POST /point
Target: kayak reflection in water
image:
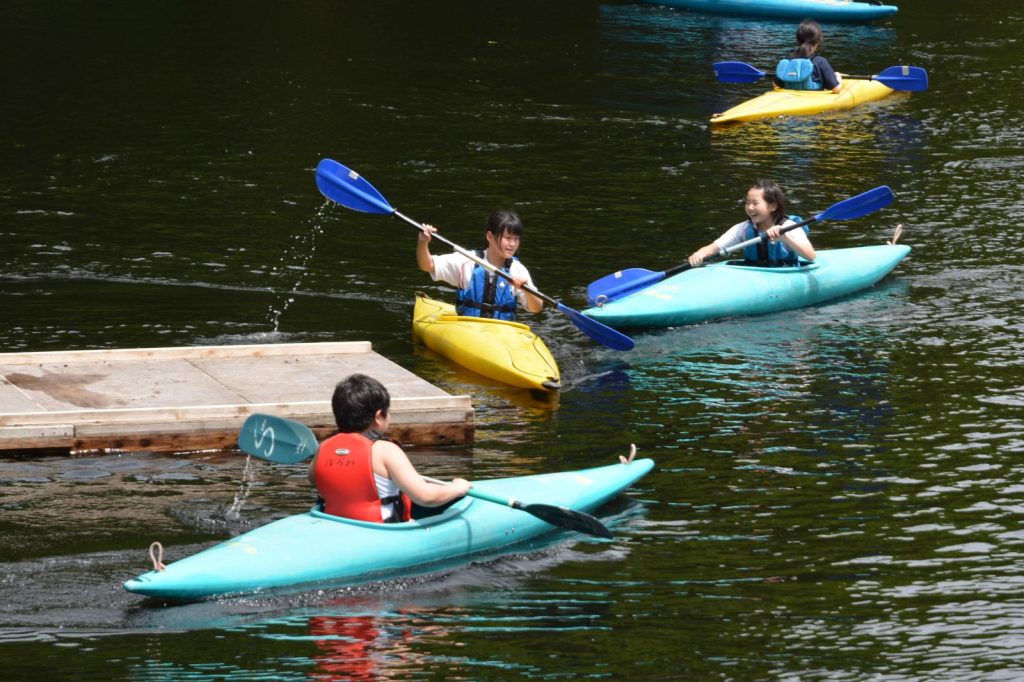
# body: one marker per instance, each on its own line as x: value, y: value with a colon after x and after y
x: 361, y: 474
x: 766, y: 212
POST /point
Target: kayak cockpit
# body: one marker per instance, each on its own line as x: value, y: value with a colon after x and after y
x: 802, y: 266
x: 448, y: 514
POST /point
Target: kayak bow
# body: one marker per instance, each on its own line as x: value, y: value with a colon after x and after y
x: 508, y: 352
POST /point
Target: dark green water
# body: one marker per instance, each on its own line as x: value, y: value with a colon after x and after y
x: 838, y: 492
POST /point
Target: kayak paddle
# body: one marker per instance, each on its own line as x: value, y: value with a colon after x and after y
x: 346, y: 187
x: 562, y: 517
x: 625, y: 282
x: 286, y: 441
x: 908, y: 78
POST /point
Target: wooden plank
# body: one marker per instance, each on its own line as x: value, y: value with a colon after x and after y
x: 104, y: 384
x: 47, y: 435
x: 286, y: 378
x: 159, y: 442
x: 423, y: 407
x: 12, y: 399
x: 185, y: 352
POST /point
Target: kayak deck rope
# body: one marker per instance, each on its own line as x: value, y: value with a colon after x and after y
x: 632, y: 454
x: 156, y: 555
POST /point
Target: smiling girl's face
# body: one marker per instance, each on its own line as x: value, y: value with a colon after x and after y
x: 758, y: 210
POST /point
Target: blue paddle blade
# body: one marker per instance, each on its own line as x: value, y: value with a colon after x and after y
x: 598, y: 331
x: 906, y: 78
x: 600, y: 287
x: 346, y: 187
x: 860, y: 205
x: 634, y: 281
x: 737, y: 72
x: 276, y: 439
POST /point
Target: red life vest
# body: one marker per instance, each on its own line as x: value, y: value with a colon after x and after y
x: 344, y: 477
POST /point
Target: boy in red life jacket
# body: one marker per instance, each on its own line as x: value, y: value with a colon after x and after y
x: 362, y: 475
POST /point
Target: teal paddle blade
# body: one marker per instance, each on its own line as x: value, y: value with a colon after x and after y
x: 276, y: 439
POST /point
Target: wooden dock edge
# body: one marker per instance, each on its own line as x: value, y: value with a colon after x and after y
x: 445, y: 420
x: 423, y: 416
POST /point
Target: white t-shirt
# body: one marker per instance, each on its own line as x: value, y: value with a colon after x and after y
x: 385, y: 488
x: 738, y: 233
x: 456, y: 270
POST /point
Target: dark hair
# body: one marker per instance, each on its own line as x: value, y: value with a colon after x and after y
x: 501, y: 222
x: 773, y: 194
x: 808, y: 38
x: 356, y: 400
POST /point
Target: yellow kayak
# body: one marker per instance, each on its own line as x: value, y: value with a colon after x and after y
x: 781, y: 102
x: 508, y: 352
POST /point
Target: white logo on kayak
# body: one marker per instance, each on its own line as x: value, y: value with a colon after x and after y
x: 341, y: 451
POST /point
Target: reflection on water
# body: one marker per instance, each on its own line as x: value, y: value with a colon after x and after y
x: 733, y: 385
x: 876, y: 130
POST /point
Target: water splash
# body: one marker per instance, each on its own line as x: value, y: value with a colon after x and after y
x: 248, y: 476
x: 296, y: 258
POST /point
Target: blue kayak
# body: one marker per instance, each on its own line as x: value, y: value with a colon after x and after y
x: 314, y: 548
x: 821, y: 10
x: 730, y: 288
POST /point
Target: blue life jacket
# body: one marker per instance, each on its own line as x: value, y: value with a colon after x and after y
x: 767, y: 252
x: 488, y: 295
x: 797, y: 74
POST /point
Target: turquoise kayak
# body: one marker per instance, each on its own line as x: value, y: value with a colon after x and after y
x: 821, y: 10
x: 730, y: 288
x: 305, y: 550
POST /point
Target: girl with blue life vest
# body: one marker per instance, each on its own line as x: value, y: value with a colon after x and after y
x: 482, y: 293
x: 765, y: 206
x: 360, y: 474
x: 806, y: 69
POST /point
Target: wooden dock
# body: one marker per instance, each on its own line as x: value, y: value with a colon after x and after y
x: 196, y: 398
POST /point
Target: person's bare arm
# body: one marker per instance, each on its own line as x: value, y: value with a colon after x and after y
x: 404, y: 474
